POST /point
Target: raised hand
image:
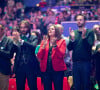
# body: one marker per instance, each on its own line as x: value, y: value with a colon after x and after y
x: 72, y: 34
x: 53, y: 41
x: 93, y: 48
x: 98, y: 50
x: 16, y: 36
x: 83, y: 33
x: 44, y: 41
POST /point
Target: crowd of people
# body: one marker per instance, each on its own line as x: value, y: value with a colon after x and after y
x: 32, y: 45
x: 13, y: 13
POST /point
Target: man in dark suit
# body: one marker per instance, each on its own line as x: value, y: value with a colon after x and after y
x: 6, y: 54
x: 26, y: 64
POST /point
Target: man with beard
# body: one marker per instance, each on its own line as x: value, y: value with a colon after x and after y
x: 26, y: 64
x: 80, y: 43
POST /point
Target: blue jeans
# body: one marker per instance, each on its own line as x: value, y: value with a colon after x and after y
x: 81, y: 75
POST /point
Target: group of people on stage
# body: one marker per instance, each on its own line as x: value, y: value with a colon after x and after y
x: 50, y: 55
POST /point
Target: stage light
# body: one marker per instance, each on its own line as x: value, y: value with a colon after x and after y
x: 37, y: 5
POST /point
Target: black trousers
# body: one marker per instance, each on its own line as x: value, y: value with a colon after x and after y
x: 55, y: 77
x: 81, y: 75
x: 22, y: 73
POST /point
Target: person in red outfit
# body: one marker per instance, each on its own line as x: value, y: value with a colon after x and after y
x: 51, y: 55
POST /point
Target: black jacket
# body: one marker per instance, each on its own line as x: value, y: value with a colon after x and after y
x: 25, y: 54
x: 6, y: 53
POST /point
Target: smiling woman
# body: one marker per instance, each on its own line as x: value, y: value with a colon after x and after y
x: 51, y: 55
x: 53, y: 32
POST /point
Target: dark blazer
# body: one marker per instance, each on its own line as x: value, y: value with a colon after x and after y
x: 57, y: 56
x: 25, y: 54
x: 6, y: 54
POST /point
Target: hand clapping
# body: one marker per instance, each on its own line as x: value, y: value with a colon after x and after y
x: 98, y: 50
x: 16, y: 36
x: 53, y: 41
x: 83, y: 33
x: 44, y: 41
x: 72, y: 34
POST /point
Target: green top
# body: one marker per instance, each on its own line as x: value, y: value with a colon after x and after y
x: 37, y: 49
x: 24, y: 38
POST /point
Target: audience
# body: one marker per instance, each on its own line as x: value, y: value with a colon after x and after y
x: 12, y: 12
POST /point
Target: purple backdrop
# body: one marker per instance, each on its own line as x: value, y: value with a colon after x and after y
x: 73, y: 25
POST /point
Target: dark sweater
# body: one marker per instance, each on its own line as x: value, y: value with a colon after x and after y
x: 81, y: 47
